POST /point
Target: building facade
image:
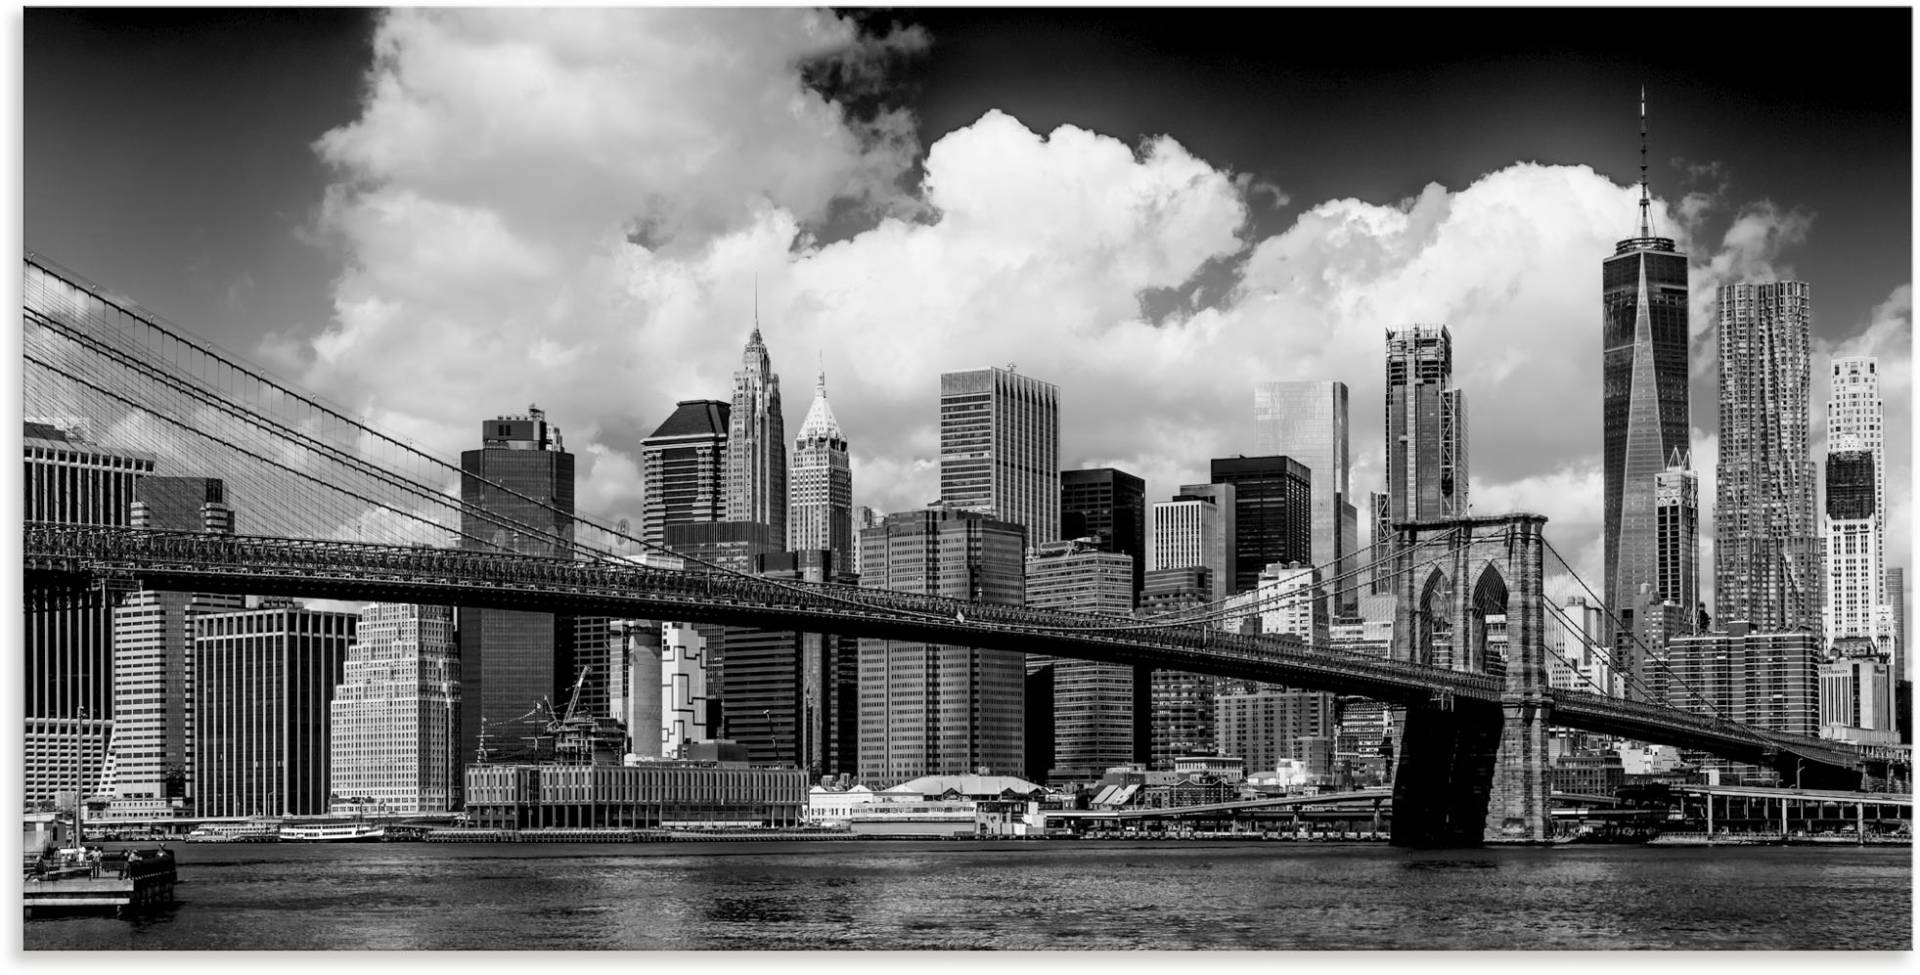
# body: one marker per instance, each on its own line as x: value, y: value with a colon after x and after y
x: 757, y: 442
x: 1195, y: 530
x: 1856, y: 701
x: 1000, y: 448
x: 1269, y: 725
x: 1110, y: 507
x: 1099, y: 709
x: 1426, y: 427
x: 1769, y: 681
x: 516, y: 494
x: 1272, y: 513
x: 1644, y: 405
x: 644, y: 796
x: 820, y: 505
x: 263, y: 684
x: 931, y: 709
x: 1896, y: 594
x: 395, y: 717
x: 1676, y: 506
x: 1181, y: 703
x: 1852, y: 562
x: 1307, y: 421
x: 1766, y: 552
x: 68, y: 636
x: 153, y: 657
x: 683, y: 468
x: 1854, y: 409
x: 683, y: 689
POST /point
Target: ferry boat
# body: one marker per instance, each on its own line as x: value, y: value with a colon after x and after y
x: 354, y: 832
x: 255, y: 831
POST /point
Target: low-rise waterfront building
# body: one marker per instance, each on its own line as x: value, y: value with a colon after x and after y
x: 637, y: 796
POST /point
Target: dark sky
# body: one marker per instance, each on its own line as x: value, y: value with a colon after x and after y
x: 168, y: 153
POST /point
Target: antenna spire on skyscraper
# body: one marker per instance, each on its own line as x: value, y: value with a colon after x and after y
x: 756, y: 299
x: 1646, y: 224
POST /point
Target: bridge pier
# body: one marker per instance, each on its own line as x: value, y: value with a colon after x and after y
x: 1444, y: 775
x: 1517, y: 804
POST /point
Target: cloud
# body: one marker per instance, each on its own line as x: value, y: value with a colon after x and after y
x: 574, y: 210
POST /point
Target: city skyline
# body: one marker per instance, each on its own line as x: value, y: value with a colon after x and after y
x: 1195, y: 312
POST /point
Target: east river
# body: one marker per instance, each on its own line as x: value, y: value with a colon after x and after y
x: 894, y: 895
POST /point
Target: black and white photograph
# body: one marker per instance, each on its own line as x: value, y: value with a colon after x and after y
x: 1384, y: 479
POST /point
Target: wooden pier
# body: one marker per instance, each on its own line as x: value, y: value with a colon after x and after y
x: 117, y: 882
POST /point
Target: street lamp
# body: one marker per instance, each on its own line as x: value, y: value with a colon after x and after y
x: 1799, y: 765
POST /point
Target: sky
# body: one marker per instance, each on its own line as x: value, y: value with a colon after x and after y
x: 434, y: 216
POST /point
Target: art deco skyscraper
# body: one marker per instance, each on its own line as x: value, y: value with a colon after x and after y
x: 1855, y: 419
x: 1852, y: 543
x: 757, y: 443
x: 1766, y: 560
x: 820, y: 505
x: 1307, y: 421
x: 395, y: 717
x: 1426, y: 427
x: 1643, y: 413
x: 1000, y: 448
x: 516, y: 494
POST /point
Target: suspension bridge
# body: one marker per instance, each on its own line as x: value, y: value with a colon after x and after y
x: 334, y: 508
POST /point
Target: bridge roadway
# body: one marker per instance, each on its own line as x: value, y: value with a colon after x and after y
x: 67, y: 556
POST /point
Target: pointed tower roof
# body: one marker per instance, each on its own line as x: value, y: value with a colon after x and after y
x: 820, y: 423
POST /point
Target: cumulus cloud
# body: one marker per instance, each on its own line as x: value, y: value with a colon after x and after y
x: 575, y: 211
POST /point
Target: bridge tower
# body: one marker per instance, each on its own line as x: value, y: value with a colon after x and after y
x: 1470, y: 594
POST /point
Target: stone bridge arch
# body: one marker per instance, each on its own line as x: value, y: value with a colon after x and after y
x: 1473, y: 771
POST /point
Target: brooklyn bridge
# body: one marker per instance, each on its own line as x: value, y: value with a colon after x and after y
x: 358, y: 514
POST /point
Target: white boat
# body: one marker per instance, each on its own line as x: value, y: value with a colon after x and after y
x: 355, y: 832
x: 256, y: 831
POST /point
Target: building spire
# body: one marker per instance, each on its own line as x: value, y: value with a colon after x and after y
x: 1646, y: 225
x: 756, y: 274
x: 820, y: 385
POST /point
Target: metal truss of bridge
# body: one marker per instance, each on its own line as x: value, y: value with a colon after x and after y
x: 358, y: 514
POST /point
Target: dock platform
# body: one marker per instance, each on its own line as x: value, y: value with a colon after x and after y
x: 116, y: 882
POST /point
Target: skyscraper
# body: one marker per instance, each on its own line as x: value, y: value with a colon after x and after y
x: 516, y: 494
x: 820, y: 506
x: 1272, y: 513
x: 683, y: 469
x: 69, y: 635
x: 930, y: 709
x: 1896, y: 590
x: 757, y: 442
x: 1854, y: 409
x: 1426, y: 427
x: 1307, y: 421
x: 153, y: 656
x: 1676, y: 506
x: 263, y: 680
x: 1109, y: 506
x: 1182, y: 716
x: 1644, y: 408
x: 1766, y: 557
x: 1095, y: 704
x: 1000, y: 448
x: 1196, y: 529
x: 1852, y: 544
x: 396, y: 714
